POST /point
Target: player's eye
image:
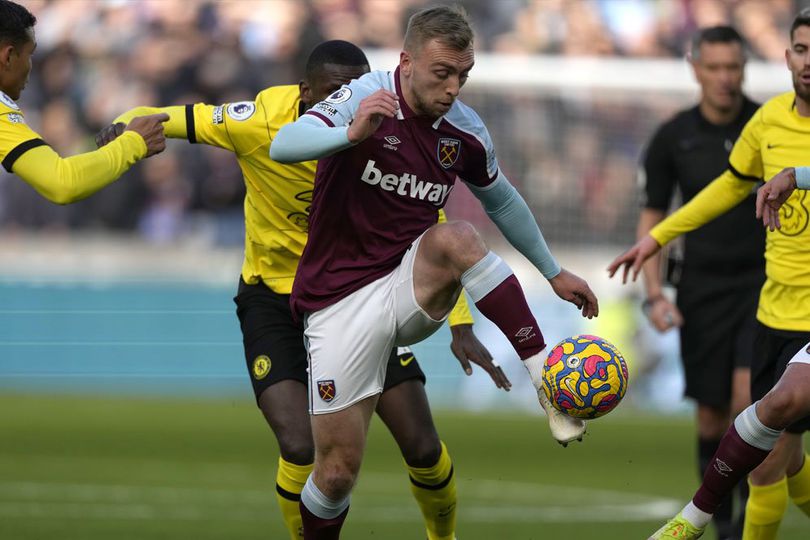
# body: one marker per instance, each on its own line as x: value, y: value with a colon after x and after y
x: 442, y: 73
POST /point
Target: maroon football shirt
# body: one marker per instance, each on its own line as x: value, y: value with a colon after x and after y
x: 372, y: 200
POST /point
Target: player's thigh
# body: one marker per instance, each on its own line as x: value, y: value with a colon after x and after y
x: 404, y: 408
x: 441, y: 255
x: 792, y: 380
x: 340, y: 440
x: 285, y: 408
x: 276, y: 362
x: 413, y: 321
x: 348, y: 344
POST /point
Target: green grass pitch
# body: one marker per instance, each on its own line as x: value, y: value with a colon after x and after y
x: 79, y: 468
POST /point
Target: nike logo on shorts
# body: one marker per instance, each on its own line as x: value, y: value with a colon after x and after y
x: 405, y: 361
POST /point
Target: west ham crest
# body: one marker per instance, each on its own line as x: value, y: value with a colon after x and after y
x: 448, y: 151
x: 326, y: 389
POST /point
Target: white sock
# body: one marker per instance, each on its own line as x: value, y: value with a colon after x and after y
x: 753, y: 431
x: 695, y: 515
x: 482, y: 277
x: 319, y: 504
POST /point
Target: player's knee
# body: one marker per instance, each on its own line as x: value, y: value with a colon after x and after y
x: 338, y: 477
x: 296, y: 449
x: 782, y: 406
x: 423, y: 453
x: 459, y: 238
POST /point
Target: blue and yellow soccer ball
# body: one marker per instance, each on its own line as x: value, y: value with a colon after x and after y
x: 585, y: 376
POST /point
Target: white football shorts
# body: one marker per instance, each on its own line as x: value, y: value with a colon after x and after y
x: 801, y: 357
x: 350, y: 341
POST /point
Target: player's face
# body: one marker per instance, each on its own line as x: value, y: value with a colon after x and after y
x: 433, y: 76
x: 17, y: 68
x: 719, y: 70
x: 327, y: 80
x: 798, y: 62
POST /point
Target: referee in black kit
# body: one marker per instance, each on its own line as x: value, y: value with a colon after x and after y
x: 720, y: 277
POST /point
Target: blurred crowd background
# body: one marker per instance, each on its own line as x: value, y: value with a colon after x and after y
x: 573, y: 158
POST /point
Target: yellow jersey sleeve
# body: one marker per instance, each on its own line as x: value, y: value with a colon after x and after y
x: 460, y: 313
x: 745, y: 161
x: 723, y: 194
x: 237, y: 127
x: 174, y: 127
x: 64, y: 180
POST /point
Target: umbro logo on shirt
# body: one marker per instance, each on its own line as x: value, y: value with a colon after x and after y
x: 391, y: 143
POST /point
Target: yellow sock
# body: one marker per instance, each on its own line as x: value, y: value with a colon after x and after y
x: 290, y: 480
x: 799, y: 486
x: 764, y: 511
x: 435, y: 491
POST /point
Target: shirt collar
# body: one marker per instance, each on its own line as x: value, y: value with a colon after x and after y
x: 404, y: 110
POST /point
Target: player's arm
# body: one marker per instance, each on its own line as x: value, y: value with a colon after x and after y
x: 344, y: 119
x: 720, y: 196
x: 66, y: 180
x: 510, y: 213
x: 307, y: 139
x: 777, y: 190
x: 199, y: 123
x: 657, y: 176
x: 723, y: 194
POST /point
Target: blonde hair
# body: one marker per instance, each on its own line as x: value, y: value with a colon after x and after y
x: 450, y: 25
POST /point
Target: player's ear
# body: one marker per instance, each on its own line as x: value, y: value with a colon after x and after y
x: 6, y: 50
x: 406, y: 63
x: 304, y: 92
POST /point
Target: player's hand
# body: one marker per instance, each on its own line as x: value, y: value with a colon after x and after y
x: 150, y: 127
x: 663, y: 314
x: 773, y: 195
x: 467, y: 348
x: 634, y: 257
x: 574, y: 289
x: 370, y: 114
x: 109, y: 134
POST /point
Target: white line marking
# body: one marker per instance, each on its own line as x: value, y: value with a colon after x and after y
x: 377, y: 500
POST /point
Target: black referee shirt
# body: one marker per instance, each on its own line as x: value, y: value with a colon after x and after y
x: 687, y: 153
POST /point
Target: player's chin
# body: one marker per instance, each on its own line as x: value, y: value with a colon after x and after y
x: 440, y: 109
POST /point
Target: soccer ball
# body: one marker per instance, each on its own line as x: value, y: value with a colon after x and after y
x: 585, y: 376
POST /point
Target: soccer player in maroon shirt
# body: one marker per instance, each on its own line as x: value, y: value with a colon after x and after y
x: 377, y: 271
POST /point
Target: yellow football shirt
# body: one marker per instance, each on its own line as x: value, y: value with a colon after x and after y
x: 61, y: 180
x: 278, y: 195
x: 776, y: 137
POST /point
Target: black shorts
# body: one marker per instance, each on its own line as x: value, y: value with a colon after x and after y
x: 274, y: 342
x: 774, y: 349
x: 717, y: 337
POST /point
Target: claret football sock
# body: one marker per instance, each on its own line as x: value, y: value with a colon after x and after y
x: 290, y: 480
x: 745, y: 445
x: 322, y: 517
x: 499, y: 297
x: 763, y: 513
x: 723, y: 517
x: 799, y: 486
x: 434, y: 489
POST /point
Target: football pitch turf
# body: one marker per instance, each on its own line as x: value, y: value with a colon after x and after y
x: 92, y: 468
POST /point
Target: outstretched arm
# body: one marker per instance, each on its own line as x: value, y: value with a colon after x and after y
x: 723, y: 194
x: 512, y: 215
x: 67, y: 180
